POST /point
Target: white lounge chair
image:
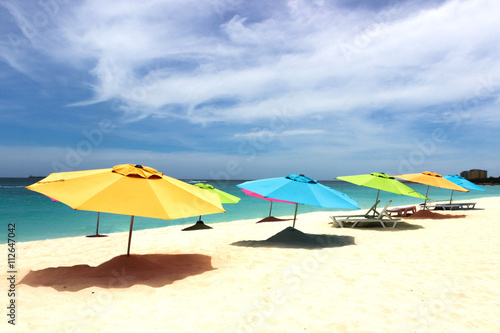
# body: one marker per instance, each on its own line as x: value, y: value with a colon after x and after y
x: 370, y: 213
x: 381, y: 218
x: 453, y: 206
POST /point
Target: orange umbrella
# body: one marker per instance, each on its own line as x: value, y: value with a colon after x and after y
x: 431, y: 179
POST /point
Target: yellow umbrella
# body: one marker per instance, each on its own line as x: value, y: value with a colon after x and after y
x: 129, y: 189
x: 431, y: 179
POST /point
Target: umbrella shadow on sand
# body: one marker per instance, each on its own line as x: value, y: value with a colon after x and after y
x: 293, y: 238
x: 154, y: 270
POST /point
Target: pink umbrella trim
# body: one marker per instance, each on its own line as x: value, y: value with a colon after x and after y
x: 54, y: 200
x: 253, y: 194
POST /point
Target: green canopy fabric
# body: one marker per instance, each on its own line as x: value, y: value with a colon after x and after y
x: 381, y: 181
x: 224, y: 196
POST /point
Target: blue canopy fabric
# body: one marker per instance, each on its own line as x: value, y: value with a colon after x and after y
x: 300, y: 189
x: 461, y: 181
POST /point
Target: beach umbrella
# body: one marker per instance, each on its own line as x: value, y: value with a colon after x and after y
x: 381, y: 181
x: 270, y: 218
x: 224, y: 198
x: 431, y: 179
x: 128, y: 189
x: 461, y: 181
x: 300, y: 189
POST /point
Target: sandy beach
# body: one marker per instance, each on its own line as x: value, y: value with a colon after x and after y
x: 424, y: 276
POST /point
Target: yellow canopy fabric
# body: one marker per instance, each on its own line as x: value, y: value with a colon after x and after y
x: 432, y: 179
x: 129, y: 190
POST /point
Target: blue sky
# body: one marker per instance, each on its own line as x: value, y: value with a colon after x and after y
x: 230, y: 89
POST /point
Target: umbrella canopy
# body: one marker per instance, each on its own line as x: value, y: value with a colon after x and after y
x: 381, y: 181
x: 270, y: 218
x: 129, y: 189
x: 431, y: 179
x: 461, y: 181
x: 300, y: 189
x: 224, y: 198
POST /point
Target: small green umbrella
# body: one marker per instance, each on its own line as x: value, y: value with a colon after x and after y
x: 381, y: 181
x: 224, y: 198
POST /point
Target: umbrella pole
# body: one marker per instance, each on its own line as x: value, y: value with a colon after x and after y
x: 451, y: 195
x: 130, y: 235
x: 376, y: 203
x: 97, y: 229
x: 295, y: 216
x: 271, y: 209
x: 426, y: 196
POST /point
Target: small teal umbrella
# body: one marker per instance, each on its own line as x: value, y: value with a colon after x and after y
x: 300, y: 189
x: 461, y: 181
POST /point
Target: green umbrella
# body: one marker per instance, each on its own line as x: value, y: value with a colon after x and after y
x: 381, y: 181
x: 224, y: 198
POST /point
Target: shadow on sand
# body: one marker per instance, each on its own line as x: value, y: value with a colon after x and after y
x: 154, y: 270
x: 272, y: 219
x: 427, y: 214
x: 293, y: 238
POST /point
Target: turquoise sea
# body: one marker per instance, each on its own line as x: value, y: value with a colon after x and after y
x: 37, y: 217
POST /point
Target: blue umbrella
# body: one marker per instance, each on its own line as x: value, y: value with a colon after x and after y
x: 461, y: 181
x: 300, y: 189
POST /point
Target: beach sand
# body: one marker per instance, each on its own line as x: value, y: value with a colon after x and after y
x: 424, y: 276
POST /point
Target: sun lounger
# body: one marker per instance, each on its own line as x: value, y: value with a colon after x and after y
x: 402, y: 211
x: 381, y: 218
x: 372, y: 212
x: 452, y: 206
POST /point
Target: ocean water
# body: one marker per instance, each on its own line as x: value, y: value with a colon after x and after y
x: 37, y: 217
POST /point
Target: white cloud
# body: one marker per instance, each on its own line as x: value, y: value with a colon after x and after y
x: 313, y: 56
x: 266, y: 132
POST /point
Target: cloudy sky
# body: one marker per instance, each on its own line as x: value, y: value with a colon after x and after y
x: 233, y: 89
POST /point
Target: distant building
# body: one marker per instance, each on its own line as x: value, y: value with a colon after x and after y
x: 474, y: 174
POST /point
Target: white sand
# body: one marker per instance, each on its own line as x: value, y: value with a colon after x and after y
x: 424, y: 276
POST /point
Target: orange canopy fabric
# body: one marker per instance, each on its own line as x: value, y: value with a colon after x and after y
x: 432, y: 179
